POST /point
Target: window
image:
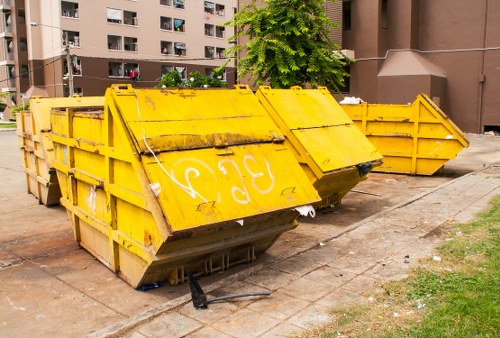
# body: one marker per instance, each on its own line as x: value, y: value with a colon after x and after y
x: 220, y: 31
x: 25, y: 72
x: 346, y: 15
x: 220, y: 52
x: 131, y: 71
x: 69, y: 9
x: 165, y: 23
x: 167, y: 47
x: 76, y: 66
x: 114, y: 15
x: 115, y: 69
x: 130, y: 18
x: 180, y: 48
x: 8, y: 22
x: 23, y: 44
x: 179, y: 25
x: 209, y: 30
x: 21, y: 16
x: 166, y: 69
x: 383, y: 15
x: 219, y: 10
x: 166, y: 2
x: 114, y: 42
x: 182, y: 71
x: 120, y: 69
x: 130, y: 44
x: 209, y: 52
x: 179, y: 4
x: 209, y: 7
x: 73, y: 38
x: 9, y: 48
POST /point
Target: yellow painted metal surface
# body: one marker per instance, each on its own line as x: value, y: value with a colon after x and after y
x: 165, y: 181
x: 330, y: 149
x: 33, y: 130
x: 414, y: 139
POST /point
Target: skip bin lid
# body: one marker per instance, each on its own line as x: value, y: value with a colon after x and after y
x: 318, y: 127
x: 217, y: 157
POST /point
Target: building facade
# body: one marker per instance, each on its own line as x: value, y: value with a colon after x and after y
x: 448, y: 49
x: 108, y: 42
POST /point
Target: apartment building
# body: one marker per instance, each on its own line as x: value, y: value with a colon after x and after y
x: 448, y: 49
x: 108, y: 42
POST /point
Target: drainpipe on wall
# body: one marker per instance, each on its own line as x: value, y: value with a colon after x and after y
x: 482, y: 77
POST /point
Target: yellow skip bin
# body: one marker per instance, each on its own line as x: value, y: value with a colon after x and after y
x: 414, y: 139
x: 33, y: 130
x: 165, y: 181
x: 334, y: 154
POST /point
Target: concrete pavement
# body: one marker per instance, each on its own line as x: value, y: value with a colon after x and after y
x: 51, y: 287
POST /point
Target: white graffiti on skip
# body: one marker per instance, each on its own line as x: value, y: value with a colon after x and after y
x: 191, y: 169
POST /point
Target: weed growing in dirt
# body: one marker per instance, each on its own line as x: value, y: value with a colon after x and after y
x: 457, y: 296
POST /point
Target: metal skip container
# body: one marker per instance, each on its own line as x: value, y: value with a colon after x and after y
x: 334, y: 154
x: 161, y: 182
x: 414, y: 139
x: 33, y: 131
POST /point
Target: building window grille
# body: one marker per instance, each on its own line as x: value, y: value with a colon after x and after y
x: 180, y: 48
x: 130, y: 18
x: 166, y: 69
x: 179, y: 25
x: 69, y: 9
x: 114, y: 15
x: 209, y: 52
x: 179, y: 4
x: 73, y: 38
x: 220, y: 53
x: 167, y: 47
x: 209, y: 7
x: 114, y: 42
x: 220, y: 31
x: 115, y: 69
x: 130, y: 44
x: 209, y: 30
x: 165, y: 23
x: 220, y: 10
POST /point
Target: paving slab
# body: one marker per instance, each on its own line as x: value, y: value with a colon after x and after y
x: 61, y: 290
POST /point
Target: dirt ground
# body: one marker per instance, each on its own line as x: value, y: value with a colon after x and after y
x: 50, y: 287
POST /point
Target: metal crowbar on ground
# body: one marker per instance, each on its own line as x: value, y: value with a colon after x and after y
x: 200, y: 300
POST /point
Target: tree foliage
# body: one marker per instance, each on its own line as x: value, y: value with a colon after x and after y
x: 196, y: 79
x: 289, y: 44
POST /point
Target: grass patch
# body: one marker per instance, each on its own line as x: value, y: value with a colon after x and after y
x: 458, y: 296
x: 8, y: 125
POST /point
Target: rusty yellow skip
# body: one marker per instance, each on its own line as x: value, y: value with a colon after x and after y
x: 33, y: 130
x: 334, y: 154
x: 414, y: 139
x: 163, y: 181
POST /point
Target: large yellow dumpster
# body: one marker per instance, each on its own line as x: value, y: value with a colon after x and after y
x: 165, y: 181
x: 334, y: 154
x: 414, y: 139
x: 33, y: 130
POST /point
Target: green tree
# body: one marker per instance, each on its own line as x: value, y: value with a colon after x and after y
x: 196, y: 80
x: 289, y: 44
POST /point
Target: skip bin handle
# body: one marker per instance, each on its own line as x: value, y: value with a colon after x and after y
x: 287, y: 191
x: 211, y: 203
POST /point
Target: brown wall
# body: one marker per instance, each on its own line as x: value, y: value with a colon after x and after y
x: 444, y: 32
